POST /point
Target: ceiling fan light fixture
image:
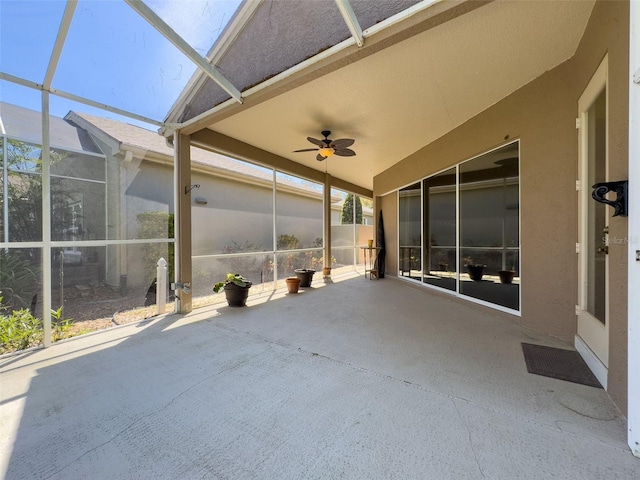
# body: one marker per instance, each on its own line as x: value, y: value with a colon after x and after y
x: 326, y: 151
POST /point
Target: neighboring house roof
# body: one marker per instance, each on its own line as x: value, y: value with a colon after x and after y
x: 130, y: 136
x: 76, y: 129
x: 26, y: 124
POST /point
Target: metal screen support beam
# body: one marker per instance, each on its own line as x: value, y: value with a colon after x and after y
x: 70, y: 96
x: 150, y: 16
x: 352, y: 22
x: 46, y: 221
x: 65, y: 23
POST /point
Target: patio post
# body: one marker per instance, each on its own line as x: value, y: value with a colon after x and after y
x: 326, y: 205
x: 182, y: 219
x: 633, y: 302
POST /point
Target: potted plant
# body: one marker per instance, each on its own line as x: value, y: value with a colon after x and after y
x: 236, y: 288
x: 293, y: 284
x: 506, y: 276
x: 305, y: 275
x: 475, y: 270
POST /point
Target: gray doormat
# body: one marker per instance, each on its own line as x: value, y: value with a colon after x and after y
x: 557, y: 363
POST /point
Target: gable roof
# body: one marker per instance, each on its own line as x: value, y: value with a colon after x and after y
x: 26, y: 124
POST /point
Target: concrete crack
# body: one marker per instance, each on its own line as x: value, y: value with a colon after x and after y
x: 555, y: 427
x: 475, y: 456
x: 155, y: 412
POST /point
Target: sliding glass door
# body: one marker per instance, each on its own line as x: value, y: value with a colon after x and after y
x: 489, y: 227
x: 410, y: 218
x: 460, y: 229
x: 440, y: 229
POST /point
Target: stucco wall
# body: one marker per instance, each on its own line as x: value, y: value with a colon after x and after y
x: 608, y: 34
x: 542, y: 116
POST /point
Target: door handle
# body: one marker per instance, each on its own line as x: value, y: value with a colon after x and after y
x: 604, y: 250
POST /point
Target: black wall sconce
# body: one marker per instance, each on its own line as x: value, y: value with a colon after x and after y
x: 620, y: 204
x: 188, y: 188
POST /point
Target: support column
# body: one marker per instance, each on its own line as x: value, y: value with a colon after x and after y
x: 633, y: 305
x: 182, y: 193
x: 327, y: 220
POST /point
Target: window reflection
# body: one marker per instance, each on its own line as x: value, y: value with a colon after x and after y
x: 440, y: 229
x: 489, y: 227
x: 410, y: 217
x: 469, y: 224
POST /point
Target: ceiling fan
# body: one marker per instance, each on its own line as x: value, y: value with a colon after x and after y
x: 328, y: 147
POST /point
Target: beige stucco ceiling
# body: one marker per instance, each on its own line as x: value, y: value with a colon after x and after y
x: 407, y: 95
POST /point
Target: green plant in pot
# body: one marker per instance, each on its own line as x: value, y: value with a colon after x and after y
x: 236, y: 288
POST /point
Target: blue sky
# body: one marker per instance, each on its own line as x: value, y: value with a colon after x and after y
x: 111, y: 55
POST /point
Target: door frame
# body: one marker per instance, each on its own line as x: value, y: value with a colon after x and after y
x: 633, y: 300
x: 592, y: 337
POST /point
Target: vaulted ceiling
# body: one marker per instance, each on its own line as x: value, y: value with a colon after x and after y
x: 408, y: 85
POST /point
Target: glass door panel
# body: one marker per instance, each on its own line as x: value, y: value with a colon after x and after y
x: 489, y: 227
x: 440, y: 229
x: 596, y: 212
x: 410, y: 217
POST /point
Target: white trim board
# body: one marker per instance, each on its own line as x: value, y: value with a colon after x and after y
x: 593, y: 362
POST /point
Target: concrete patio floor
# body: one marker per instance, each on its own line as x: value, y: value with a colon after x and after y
x: 357, y: 379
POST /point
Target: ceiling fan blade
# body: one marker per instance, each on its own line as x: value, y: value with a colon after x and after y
x: 345, y: 152
x: 306, y: 150
x: 320, y: 158
x: 343, y: 143
x: 315, y: 141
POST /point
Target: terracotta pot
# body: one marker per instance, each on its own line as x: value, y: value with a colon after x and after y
x: 305, y: 275
x: 236, y: 295
x: 293, y: 284
x: 326, y: 271
x: 506, y: 276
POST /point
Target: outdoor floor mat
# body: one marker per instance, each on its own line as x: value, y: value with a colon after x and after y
x: 557, y: 363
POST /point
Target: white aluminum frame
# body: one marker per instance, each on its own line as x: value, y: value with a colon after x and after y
x: 352, y: 22
x: 456, y: 293
x: 633, y: 299
x: 166, y: 31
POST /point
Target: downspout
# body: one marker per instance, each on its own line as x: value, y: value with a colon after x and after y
x: 633, y: 302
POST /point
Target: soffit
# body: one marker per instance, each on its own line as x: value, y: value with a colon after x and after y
x: 405, y: 96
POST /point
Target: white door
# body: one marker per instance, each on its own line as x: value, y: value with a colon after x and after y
x: 592, y: 340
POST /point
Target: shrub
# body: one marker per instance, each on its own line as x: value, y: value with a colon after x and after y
x: 244, y: 265
x: 157, y: 225
x: 18, y: 280
x: 20, y: 329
